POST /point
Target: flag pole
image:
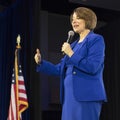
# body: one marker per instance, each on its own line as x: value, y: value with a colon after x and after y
x: 16, y: 69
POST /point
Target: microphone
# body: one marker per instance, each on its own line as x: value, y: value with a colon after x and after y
x: 70, y: 36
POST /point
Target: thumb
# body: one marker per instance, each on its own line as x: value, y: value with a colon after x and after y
x: 38, y: 51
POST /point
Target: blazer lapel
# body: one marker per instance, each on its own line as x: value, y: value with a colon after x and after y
x: 75, y: 42
x: 85, y: 40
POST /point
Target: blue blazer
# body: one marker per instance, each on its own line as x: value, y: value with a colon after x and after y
x: 87, y: 69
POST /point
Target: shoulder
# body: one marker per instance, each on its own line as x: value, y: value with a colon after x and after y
x: 93, y: 38
x: 93, y: 35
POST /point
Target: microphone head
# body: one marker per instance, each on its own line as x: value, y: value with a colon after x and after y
x: 70, y: 33
x: 70, y: 36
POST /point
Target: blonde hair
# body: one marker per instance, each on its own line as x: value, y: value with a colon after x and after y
x: 86, y: 14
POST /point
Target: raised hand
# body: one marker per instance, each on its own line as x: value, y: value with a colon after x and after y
x: 37, y: 56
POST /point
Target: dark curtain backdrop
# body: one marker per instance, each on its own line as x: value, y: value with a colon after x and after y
x: 19, y: 18
x: 111, y: 110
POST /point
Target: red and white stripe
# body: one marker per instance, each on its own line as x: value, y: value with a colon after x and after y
x: 18, y: 102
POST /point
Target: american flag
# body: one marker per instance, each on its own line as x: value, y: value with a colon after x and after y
x: 18, y: 101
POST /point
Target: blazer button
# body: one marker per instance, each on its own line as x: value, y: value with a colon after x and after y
x: 74, y: 72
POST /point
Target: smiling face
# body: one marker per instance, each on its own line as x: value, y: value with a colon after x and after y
x: 83, y: 18
x: 78, y: 24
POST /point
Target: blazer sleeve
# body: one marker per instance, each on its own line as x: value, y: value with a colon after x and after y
x: 48, y: 68
x: 94, y: 59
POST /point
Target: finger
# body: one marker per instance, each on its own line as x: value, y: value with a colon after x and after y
x: 35, y: 57
x: 38, y: 51
x: 62, y: 48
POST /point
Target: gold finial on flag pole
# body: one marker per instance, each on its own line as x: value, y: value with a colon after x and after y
x: 18, y: 41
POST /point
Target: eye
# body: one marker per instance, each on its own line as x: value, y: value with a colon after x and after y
x: 77, y: 18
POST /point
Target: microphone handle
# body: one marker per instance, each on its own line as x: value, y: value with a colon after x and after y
x: 68, y: 40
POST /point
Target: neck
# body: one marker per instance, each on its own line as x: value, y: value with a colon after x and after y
x: 83, y: 34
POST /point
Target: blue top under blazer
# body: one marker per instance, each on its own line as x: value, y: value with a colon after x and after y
x: 87, y: 69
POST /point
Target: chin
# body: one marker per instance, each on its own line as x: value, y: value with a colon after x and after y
x: 76, y: 31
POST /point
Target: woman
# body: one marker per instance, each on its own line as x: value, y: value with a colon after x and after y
x: 81, y: 69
